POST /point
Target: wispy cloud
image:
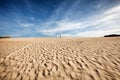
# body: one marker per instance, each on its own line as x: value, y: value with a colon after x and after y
x: 105, y: 22
x: 26, y: 24
x: 63, y: 26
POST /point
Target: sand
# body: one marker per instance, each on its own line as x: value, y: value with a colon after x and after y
x: 60, y: 59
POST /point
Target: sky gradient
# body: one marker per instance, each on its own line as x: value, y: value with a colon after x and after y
x: 50, y: 18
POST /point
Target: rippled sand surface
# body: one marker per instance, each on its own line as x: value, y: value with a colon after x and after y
x: 60, y: 59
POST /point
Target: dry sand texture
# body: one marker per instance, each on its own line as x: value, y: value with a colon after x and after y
x: 60, y: 59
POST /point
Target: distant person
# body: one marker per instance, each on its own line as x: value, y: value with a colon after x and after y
x: 60, y: 35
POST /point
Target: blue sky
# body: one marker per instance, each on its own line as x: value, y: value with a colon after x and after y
x: 71, y: 18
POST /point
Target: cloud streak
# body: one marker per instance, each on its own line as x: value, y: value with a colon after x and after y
x: 106, y: 22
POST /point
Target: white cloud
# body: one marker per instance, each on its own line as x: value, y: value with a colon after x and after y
x: 26, y: 24
x: 111, y: 14
x: 63, y: 26
x: 97, y: 33
x: 107, y: 22
x: 113, y: 10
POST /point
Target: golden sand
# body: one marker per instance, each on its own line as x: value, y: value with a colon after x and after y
x: 60, y: 59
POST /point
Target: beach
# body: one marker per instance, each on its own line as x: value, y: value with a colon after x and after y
x: 60, y: 58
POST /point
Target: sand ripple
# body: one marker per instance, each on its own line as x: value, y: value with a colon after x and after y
x: 60, y: 59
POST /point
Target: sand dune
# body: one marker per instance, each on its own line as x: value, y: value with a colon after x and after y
x: 60, y: 59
